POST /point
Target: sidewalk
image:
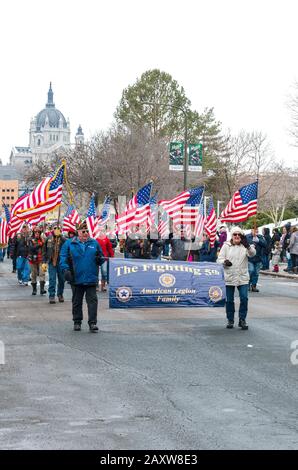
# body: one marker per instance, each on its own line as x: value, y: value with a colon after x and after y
x: 281, y: 273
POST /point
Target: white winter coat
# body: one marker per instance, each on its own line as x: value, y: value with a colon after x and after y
x: 237, y: 274
x: 276, y: 256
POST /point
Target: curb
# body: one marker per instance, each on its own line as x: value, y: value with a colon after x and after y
x: 294, y: 277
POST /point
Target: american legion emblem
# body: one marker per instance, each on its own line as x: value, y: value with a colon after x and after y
x: 123, y: 294
x: 215, y: 293
x: 167, y: 280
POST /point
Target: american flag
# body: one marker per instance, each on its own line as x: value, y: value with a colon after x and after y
x: 19, y: 202
x: 242, y: 205
x: 211, y: 223
x: 71, y: 218
x: 174, y: 205
x: 105, y: 213
x: 199, y: 223
x: 36, y: 220
x: 91, y: 219
x: 38, y: 196
x: 3, y: 232
x: 7, y: 213
x: 189, y: 212
x: 164, y: 225
x: 153, y: 214
x: 15, y: 224
x: 137, y: 210
x: 53, y: 197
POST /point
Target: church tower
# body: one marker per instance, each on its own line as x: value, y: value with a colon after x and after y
x: 79, y: 138
x: 49, y: 130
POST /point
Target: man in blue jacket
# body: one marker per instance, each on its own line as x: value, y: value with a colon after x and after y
x: 80, y: 259
x: 255, y: 262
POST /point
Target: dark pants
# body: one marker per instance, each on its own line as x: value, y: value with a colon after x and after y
x: 294, y: 259
x: 77, y: 303
x: 230, y: 304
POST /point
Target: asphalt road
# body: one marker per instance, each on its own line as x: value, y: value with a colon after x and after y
x: 159, y: 379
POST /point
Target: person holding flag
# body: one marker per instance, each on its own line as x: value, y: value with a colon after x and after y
x: 234, y: 256
x: 51, y: 256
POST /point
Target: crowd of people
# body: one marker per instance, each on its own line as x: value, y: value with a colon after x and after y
x: 76, y: 259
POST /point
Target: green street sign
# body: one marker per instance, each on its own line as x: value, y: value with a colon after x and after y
x: 195, y: 157
x: 176, y: 152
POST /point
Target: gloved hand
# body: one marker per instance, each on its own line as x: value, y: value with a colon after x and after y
x: 227, y: 263
x: 244, y: 241
x: 68, y: 276
x: 99, y: 260
x: 44, y: 267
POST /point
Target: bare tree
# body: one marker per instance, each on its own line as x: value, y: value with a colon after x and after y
x: 278, y: 188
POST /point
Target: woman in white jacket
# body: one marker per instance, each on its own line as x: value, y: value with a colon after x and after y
x: 234, y: 257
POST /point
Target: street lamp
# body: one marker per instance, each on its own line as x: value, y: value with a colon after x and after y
x: 184, y: 111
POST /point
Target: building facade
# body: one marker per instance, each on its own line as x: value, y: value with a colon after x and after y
x: 49, y: 133
x: 9, y: 192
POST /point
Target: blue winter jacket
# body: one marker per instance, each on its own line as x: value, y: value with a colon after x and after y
x: 260, y: 247
x: 82, y: 259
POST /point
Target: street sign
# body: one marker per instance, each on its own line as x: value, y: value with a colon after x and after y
x: 176, y: 156
x: 195, y: 157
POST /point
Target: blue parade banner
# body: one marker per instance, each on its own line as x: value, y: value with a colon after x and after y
x: 147, y: 283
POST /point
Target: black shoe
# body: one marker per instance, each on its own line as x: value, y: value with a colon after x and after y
x: 230, y: 324
x: 52, y: 300
x: 60, y: 298
x: 14, y: 271
x: 243, y: 325
x: 77, y: 327
x: 254, y: 289
x: 42, y: 289
x: 93, y: 328
x: 34, y: 290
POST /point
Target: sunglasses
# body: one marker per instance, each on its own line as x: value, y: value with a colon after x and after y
x: 84, y: 231
x: 237, y: 235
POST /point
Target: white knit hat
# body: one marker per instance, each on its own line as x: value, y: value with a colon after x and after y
x: 237, y: 230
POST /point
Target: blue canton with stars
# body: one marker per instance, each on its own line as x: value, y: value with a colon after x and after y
x: 69, y: 210
x: 106, y: 208
x: 249, y: 193
x: 195, y: 197
x: 211, y: 206
x: 143, y: 195
x: 58, y: 179
x: 92, y: 209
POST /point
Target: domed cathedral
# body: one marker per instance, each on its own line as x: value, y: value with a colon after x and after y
x: 49, y: 130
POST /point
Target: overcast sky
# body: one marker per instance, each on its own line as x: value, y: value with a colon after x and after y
x: 239, y: 57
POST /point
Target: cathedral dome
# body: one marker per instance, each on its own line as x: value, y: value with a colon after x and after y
x: 50, y: 114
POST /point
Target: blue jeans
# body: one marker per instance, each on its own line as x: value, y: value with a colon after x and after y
x: 230, y: 304
x: 166, y: 250
x: 104, y: 271
x: 23, y: 269
x: 265, y: 262
x: 54, y: 272
x: 254, y: 270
